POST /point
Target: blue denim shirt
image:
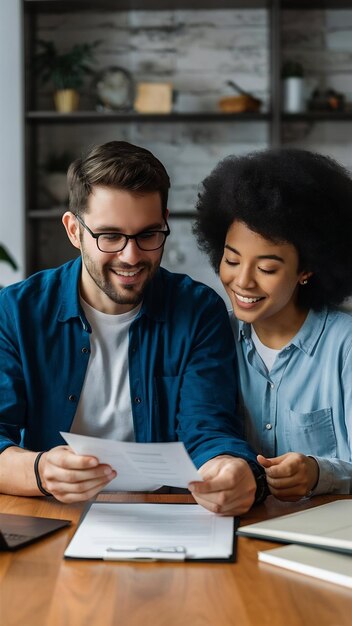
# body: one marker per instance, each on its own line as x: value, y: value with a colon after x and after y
x: 305, y: 403
x: 181, y: 364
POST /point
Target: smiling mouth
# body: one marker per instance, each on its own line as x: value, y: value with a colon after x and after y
x: 247, y: 300
x: 125, y: 273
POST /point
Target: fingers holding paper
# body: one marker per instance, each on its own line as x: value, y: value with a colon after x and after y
x: 71, y: 477
x: 290, y: 476
x: 228, y: 488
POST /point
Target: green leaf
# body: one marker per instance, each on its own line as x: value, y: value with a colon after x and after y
x: 65, y: 70
x: 5, y: 256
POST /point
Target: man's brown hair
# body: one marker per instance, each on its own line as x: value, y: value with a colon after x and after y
x: 119, y: 165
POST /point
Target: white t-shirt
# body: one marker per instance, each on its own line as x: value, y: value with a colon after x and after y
x: 104, y: 408
x: 268, y: 355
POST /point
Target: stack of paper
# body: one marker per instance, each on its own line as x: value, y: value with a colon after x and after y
x: 331, y: 566
x: 328, y: 526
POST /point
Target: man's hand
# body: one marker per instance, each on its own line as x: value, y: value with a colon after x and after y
x: 290, y: 476
x: 229, y: 486
x: 71, y: 477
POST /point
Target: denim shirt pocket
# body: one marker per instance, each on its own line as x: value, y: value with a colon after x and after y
x: 311, y: 433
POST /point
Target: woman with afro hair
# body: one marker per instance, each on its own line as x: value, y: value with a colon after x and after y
x: 277, y: 227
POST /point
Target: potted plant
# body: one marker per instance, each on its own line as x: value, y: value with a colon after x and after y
x: 6, y: 256
x: 66, y: 71
x: 293, y: 87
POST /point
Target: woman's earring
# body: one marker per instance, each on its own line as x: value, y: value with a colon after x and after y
x: 304, y: 281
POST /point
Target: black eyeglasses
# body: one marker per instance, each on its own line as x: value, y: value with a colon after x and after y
x: 147, y: 240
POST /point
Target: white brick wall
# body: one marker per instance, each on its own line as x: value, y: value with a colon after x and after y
x: 199, y: 51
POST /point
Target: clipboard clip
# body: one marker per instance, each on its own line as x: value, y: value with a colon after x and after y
x: 145, y: 553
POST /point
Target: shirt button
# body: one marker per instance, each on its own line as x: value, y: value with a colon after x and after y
x: 268, y: 426
x: 72, y: 398
x: 138, y: 400
x: 84, y: 350
x: 272, y: 385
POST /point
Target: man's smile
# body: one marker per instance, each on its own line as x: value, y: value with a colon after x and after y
x: 125, y: 272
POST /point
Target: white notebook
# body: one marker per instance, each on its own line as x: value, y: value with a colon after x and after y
x: 326, y: 565
x: 327, y: 526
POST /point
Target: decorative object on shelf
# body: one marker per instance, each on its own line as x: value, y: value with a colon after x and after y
x: 7, y: 258
x: 326, y: 100
x: 115, y: 89
x: 54, y: 177
x: 243, y: 103
x: 66, y: 71
x: 292, y: 75
x: 154, y: 98
x: 66, y: 100
x: 175, y: 255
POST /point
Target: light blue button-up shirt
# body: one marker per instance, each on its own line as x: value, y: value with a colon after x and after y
x: 304, y: 404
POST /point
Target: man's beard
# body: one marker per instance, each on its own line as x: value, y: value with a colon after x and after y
x: 126, y: 294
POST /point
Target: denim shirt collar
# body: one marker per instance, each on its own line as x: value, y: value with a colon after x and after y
x: 307, y: 336
x: 153, y: 303
x: 70, y: 306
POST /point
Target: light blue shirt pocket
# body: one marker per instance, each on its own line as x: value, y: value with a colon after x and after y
x: 311, y: 433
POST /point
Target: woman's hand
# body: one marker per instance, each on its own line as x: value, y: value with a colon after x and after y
x: 290, y: 476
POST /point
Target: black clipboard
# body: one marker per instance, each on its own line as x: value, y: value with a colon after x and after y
x: 157, y: 553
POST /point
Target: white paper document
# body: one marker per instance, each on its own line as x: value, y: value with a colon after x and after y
x: 139, y: 466
x: 142, y: 532
x: 324, y: 564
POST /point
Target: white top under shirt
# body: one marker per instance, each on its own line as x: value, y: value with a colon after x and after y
x: 104, y: 408
x: 268, y: 355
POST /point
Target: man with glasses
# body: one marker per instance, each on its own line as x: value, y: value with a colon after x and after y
x: 112, y: 345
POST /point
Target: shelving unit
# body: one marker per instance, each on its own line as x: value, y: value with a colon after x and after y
x: 274, y: 118
x: 318, y: 116
x: 37, y: 117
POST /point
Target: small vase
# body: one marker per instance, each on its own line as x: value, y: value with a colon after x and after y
x: 293, y: 95
x: 56, y: 185
x: 66, y: 100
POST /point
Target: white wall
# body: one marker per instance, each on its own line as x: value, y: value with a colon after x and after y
x: 11, y: 139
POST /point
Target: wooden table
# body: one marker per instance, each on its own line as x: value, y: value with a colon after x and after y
x: 39, y: 588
